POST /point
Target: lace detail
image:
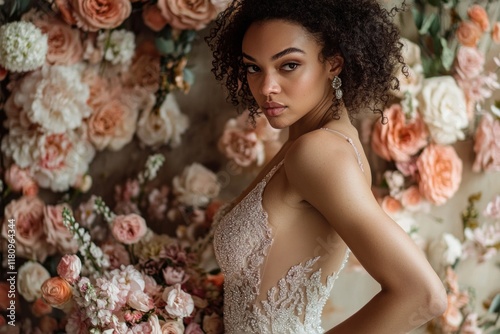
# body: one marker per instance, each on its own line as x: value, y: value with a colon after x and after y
x: 242, y: 239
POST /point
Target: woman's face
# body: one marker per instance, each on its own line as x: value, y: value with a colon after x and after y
x: 285, y: 72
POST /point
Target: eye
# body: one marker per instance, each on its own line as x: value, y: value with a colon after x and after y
x: 290, y: 66
x: 251, y: 68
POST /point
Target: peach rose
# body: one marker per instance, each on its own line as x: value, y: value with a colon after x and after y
x: 440, y: 171
x: 411, y: 198
x: 129, y: 229
x: 94, y: 15
x: 399, y: 139
x: 39, y: 308
x: 116, y: 253
x: 56, y: 292
x: 20, y: 180
x: 495, y: 33
x: 187, y: 14
x: 69, y: 268
x: 468, y: 33
x: 91, y: 51
x: 57, y: 233
x: 212, y: 324
x: 487, y: 145
x: 30, y: 237
x: 65, y: 10
x: 172, y: 327
x: 145, y: 69
x: 470, y: 62
x: 152, y: 17
x: 196, y: 186
x: 241, y: 146
x: 112, y: 125
x: 391, y: 205
x: 478, y: 15
x: 65, y: 46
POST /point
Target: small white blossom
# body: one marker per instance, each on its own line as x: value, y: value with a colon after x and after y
x: 118, y: 46
x: 23, y: 46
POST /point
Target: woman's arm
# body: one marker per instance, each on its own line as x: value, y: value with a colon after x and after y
x: 329, y: 178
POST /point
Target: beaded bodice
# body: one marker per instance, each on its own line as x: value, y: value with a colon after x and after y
x: 242, y: 239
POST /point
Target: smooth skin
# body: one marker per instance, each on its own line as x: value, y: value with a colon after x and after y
x: 291, y: 83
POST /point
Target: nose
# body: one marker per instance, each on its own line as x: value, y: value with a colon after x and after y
x: 269, y: 84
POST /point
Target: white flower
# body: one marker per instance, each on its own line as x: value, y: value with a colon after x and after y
x: 179, y: 303
x: 395, y: 180
x: 443, y: 108
x: 30, y: 278
x: 118, y: 46
x: 410, y: 86
x: 23, y: 47
x: 444, y: 251
x: 140, y: 301
x: 20, y: 145
x: 55, y: 97
x: 196, y: 186
x: 164, y: 126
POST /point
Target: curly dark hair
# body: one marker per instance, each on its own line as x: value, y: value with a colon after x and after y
x: 361, y: 31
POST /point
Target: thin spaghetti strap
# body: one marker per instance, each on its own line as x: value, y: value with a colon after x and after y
x: 349, y: 140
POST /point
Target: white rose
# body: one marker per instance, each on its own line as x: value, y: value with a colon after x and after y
x: 172, y: 327
x: 196, y: 186
x: 444, y: 251
x: 164, y: 126
x: 30, y: 278
x: 178, y: 303
x: 140, y: 301
x: 443, y: 108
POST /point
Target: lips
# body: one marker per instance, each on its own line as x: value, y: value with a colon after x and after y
x: 273, y: 109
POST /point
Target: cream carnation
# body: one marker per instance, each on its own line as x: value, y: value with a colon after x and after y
x: 55, y: 98
x: 30, y: 278
x: 444, y: 109
x: 196, y: 186
x: 23, y: 47
x: 164, y: 126
x: 118, y: 46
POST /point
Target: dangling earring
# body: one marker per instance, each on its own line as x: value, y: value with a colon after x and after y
x: 336, y: 83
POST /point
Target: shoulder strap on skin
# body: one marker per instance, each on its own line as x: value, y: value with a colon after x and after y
x: 349, y: 140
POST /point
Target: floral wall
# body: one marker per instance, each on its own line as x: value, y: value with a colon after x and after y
x: 118, y: 147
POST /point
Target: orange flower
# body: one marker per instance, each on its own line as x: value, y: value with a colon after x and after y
x: 469, y: 33
x: 495, y: 33
x: 478, y: 15
x: 391, y: 205
x: 56, y: 292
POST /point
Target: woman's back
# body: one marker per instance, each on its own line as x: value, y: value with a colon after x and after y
x: 280, y: 258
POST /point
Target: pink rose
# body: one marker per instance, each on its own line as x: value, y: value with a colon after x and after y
x: 20, y: 180
x: 94, y: 15
x: 411, y: 198
x: 470, y: 62
x: 39, y: 308
x: 112, y: 125
x: 495, y: 33
x: 172, y: 327
x: 400, y: 138
x: 178, y: 303
x: 407, y: 168
x: 128, y: 229
x: 468, y: 33
x: 174, y: 275
x: 487, y: 145
x: 69, y: 268
x: 242, y: 146
x: 56, y: 292
x: 66, y: 12
x: 152, y: 17
x: 65, y: 46
x: 57, y: 233
x: 140, y: 301
x: 193, y: 328
x: 187, y: 14
x: 212, y: 324
x: 492, y: 209
x: 440, y: 171
x: 117, y: 254
x: 76, y: 323
x: 98, y: 86
x: 30, y: 238
x: 91, y: 51
x: 478, y: 15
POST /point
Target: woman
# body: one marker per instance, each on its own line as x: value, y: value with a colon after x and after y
x: 309, y: 66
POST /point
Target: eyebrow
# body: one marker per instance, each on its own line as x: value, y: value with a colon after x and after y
x: 278, y: 55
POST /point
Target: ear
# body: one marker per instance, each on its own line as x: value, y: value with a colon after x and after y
x: 335, y: 65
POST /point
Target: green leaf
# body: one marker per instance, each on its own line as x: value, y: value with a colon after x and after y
x: 165, y: 46
x: 427, y: 24
x: 495, y: 305
x: 447, y: 55
x: 418, y: 17
x: 435, y: 3
x: 23, y: 5
x: 188, y: 76
x: 435, y: 26
x: 496, y: 331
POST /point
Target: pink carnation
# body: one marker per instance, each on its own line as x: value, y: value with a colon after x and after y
x: 20, y: 180
x: 440, y: 171
x: 129, y: 229
x: 69, y: 268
